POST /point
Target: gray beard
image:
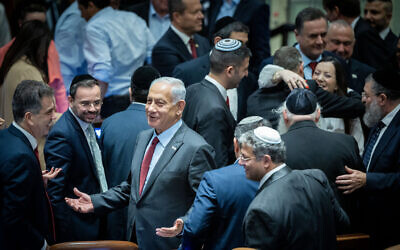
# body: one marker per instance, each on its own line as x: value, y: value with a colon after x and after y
x: 373, y: 114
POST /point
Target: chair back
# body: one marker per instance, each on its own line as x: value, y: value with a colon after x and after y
x: 358, y: 241
x: 94, y: 245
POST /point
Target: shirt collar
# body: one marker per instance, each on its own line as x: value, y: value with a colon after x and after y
x: 167, y: 135
x: 99, y: 13
x: 269, y: 174
x: 84, y: 125
x: 220, y: 88
x: 389, y: 117
x: 383, y: 34
x: 305, y: 59
x: 32, y: 140
x: 354, y: 23
x: 185, y: 38
x: 138, y: 103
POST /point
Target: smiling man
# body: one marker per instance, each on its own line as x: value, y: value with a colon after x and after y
x: 72, y: 146
x: 167, y: 166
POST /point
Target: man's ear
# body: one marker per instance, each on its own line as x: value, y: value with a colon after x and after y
x: 318, y: 115
x: 130, y: 94
x: 266, y: 161
x: 285, y: 117
x: 236, y: 147
x: 181, y: 106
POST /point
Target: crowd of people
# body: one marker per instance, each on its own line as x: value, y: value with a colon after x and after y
x: 168, y: 123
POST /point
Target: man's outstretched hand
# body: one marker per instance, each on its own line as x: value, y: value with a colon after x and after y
x: 171, y: 231
x: 83, y: 204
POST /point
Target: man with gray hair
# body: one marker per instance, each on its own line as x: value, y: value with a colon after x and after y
x: 207, y: 109
x: 304, y: 195
x: 221, y: 202
x: 167, y: 166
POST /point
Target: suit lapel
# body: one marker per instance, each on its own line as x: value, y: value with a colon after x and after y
x: 140, y: 149
x: 274, y: 177
x: 179, y: 45
x: 169, y: 151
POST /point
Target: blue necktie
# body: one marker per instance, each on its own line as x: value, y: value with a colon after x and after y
x: 372, y: 141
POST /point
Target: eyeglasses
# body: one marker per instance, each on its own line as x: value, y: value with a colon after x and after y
x: 364, y: 95
x: 241, y: 158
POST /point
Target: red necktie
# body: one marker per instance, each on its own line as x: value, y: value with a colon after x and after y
x: 227, y: 101
x: 193, y: 48
x: 312, y: 66
x: 52, y: 226
x: 144, y: 169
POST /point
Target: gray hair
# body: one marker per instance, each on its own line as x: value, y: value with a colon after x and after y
x: 341, y: 24
x: 250, y: 123
x: 277, y: 151
x: 288, y: 58
x: 28, y: 98
x: 178, y: 90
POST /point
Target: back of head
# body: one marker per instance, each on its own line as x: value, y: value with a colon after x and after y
x: 250, y: 123
x: 175, y: 6
x: 226, y: 25
x: 32, y: 41
x: 140, y: 82
x: 98, y: 3
x: 386, y: 81
x: 347, y: 8
x: 301, y: 102
x: 28, y: 98
x: 288, y: 58
x: 308, y: 14
x: 227, y: 52
x: 85, y: 80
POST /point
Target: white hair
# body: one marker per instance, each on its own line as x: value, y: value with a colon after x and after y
x: 178, y: 90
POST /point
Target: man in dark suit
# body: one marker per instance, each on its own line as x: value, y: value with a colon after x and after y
x: 340, y: 40
x: 380, y: 181
x: 195, y: 70
x: 155, y: 13
x: 254, y: 14
x: 292, y: 209
x: 207, y: 110
x: 72, y: 146
x: 303, y: 140
x: 167, y: 166
x: 277, y: 80
x: 221, y: 201
x: 117, y: 141
x: 375, y: 46
x: 26, y: 220
x: 180, y: 43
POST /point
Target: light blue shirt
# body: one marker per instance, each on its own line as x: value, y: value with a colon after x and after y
x: 68, y: 38
x: 116, y: 44
x: 227, y: 9
x: 306, y: 62
x: 164, y: 138
x: 158, y: 25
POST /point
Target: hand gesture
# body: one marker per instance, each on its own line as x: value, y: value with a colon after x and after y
x: 352, y: 181
x: 1, y: 121
x: 46, y: 175
x: 83, y: 204
x: 293, y: 80
x: 171, y: 231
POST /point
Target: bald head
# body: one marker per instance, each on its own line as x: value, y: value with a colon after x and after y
x: 340, y: 39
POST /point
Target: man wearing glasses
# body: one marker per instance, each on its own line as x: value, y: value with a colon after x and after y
x: 72, y: 146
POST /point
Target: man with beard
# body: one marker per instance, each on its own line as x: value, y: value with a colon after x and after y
x: 72, y: 146
x: 381, y: 180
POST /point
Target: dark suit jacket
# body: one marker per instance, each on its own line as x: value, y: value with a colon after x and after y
x: 383, y: 187
x: 361, y: 26
x: 372, y: 50
x: 67, y: 148
x: 170, y: 51
x: 207, y: 113
x: 24, y: 210
x: 359, y: 71
x: 169, y: 191
x: 216, y: 216
x: 141, y: 9
x: 254, y: 14
x: 294, y: 210
x: 308, y: 147
x: 118, y: 137
x: 195, y: 70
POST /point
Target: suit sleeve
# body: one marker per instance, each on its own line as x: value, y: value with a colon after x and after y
x: 202, y: 161
x: 201, y: 214
x: 378, y: 182
x: 18, y: 180
x: 261, y: 230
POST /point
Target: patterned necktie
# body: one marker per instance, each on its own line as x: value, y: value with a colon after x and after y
x: 144, y: 169
x: 95, y: 150
x: 193, y: 48
x: 312, y: 66
x: 371, y: 143
x: 51, y: 222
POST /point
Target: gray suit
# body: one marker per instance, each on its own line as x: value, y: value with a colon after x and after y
x: 169, y: 191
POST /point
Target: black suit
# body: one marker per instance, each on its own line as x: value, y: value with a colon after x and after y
x: 371, y: 49
x: 294, y: 210
x: 254, y: 14
x: 207, y: 113
x: 195, y: 70
x: 361, y: 26
x: 359, y: 71
x: 67, y: 148
x: 24, y: 208
x: 170, y: 51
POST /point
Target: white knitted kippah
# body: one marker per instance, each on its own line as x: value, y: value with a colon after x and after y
x: 228, y: 45
x: 267, y: 135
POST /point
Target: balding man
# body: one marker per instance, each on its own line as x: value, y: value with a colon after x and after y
x: 340, y: 40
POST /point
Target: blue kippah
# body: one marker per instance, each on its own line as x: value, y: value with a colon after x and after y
x: 228, y: 45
